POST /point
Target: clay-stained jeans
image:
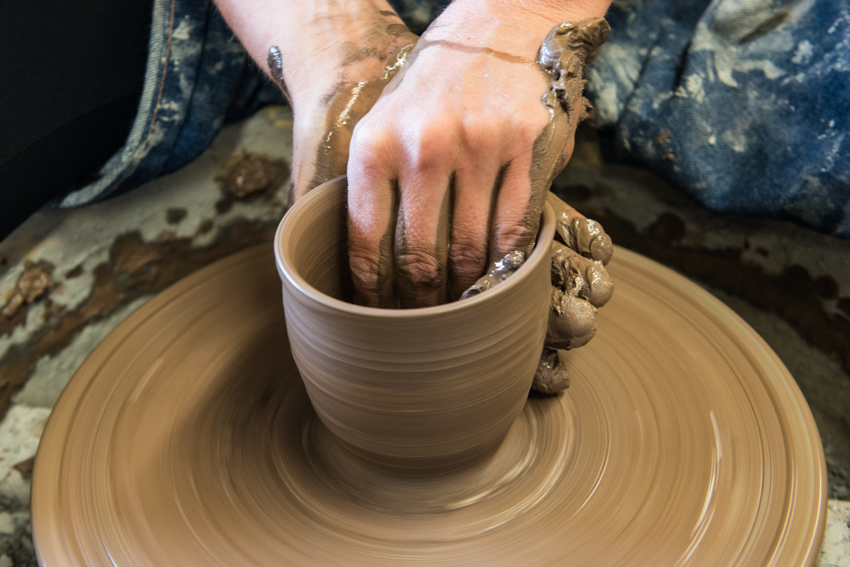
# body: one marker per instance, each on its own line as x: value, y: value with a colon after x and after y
x: 743, y: 104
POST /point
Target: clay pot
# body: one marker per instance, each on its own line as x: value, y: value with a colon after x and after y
x: 414, y: 389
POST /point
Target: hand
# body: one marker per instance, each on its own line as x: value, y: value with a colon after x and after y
x: 449, y: 170
x: 327, y: 111
x: 580, y: 285
x: 332, y: 59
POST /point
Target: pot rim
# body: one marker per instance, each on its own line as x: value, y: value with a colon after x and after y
x: 287, y: 272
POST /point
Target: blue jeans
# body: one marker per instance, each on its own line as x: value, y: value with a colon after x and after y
x: 743, y: 104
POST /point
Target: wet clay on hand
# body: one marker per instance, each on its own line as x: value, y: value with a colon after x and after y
x: 551, y: 376
x: 580, y: 285
x: 584, y: 235
x: 580, y: 282
x: 565, y: 51
x: 390, y: 42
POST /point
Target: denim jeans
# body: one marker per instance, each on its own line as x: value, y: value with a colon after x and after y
x: 743, y: 104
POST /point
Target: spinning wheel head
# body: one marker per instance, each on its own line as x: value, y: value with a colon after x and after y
x: 187, y: 439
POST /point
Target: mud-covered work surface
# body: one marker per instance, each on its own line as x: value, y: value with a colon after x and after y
x: 98, y: 265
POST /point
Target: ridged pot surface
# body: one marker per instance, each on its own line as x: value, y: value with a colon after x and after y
x: 413, y: 389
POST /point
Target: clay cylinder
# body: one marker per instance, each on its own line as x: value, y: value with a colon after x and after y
x: 424, y: 389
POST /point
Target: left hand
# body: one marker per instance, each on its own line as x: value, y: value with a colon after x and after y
x: 580, y: 285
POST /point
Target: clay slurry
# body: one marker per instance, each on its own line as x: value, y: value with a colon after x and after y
x: 187, y: 439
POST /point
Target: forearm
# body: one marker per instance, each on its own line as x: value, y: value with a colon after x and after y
x: 316, y: 39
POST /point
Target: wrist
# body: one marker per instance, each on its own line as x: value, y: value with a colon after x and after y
x: 510, y: 26
x: 325, y: 58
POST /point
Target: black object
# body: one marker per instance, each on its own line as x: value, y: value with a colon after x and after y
x: 71, y: 75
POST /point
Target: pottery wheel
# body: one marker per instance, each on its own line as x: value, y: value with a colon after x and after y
x: 186, y: 438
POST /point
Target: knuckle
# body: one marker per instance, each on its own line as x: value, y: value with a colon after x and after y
x: 508, y: 237
x: 480, y: 133
x: 431, y: 145
x: 467, y: 259
x: 371, y: 140
x: 420, y: 271
x: 526, y: 132
x: 365, y: 270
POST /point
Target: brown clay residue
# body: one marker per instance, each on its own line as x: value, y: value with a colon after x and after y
x: 136, y: 268
x: 74, y: 272
x: 668, y: 157
x: 205, y: 226
x: 275, y: 63
x: 566, y: 50
x: 25, y: 468
x: 551, y: 376
x: 223, y: 205
x: 129, y: 253
x: 499, y: 271
x: 34, y: 283
x: 662, y: 137
x: 464, y: 48
x: 347, y: 103
x: 246, y: 174
x: 9, y: 324
x: 52, y: 309
x: 175, y: 215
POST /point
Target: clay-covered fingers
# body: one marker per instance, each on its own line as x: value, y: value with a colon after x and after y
x: 551, y: 376
x: 372, y: 216
x: 422, y: 237
x: 418, y: 223
x: 572, y: 321
x: 584, y: 235
x: 473, y: 187
x: 519, y: 203
x: 579, y: 276
x: 579, y: 286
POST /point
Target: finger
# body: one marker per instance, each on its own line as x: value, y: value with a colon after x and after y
x: 470, y: 226
x: 551, y: 376
x: 585, y: 236
x: 516, y: 215
x: 372, y: 207
x: 579, y: 276
x: 572, y: 321
x: 499, y: 271
x: 422, y: 238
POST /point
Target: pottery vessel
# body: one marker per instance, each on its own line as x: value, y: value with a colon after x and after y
x: 423, y: 389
